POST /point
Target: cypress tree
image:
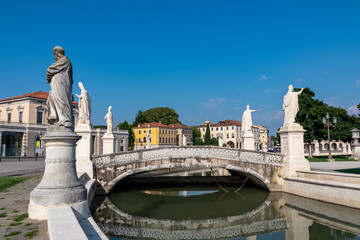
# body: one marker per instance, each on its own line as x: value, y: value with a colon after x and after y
x: 207, y: 135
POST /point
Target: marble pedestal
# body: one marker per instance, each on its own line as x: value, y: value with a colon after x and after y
x: 249, y: 141
x: 60, y: 185
x: 83, y: 150
x: 265, y: 147
x: 292, y: 146
x: 108, y: 143
x: 355, y: 151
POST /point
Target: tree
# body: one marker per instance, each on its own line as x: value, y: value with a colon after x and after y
x: 311, y: 112
x: 214, y: 142
x: 197, y: 136
x: 126, y: 126
x: 207, y: 135
x: 164, y: 115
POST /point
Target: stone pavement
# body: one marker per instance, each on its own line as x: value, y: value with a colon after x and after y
x: 330, y: 166
x: 14, y: 223
x: 15, y: 168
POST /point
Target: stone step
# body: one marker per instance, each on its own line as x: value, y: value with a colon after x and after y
x: 335, y: 177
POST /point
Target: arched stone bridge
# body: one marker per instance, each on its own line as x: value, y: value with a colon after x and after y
x: 262, y: 167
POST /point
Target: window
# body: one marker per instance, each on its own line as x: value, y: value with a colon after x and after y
x: 221, y: 128
x: 159, y: 140
x: 39, y: 117
x: 20, y: 117
x: 144, y: 140
x: 212, y: 129
x: 227, y: 128
x: 217, y: 129
x: 227, y: 135
x: 150, y: 131
x: 9, y: 117
x: 232, y: 128
x: 144, y: 131
x: 139, y: 140
x: 139, y: 131
x: 232, y: 135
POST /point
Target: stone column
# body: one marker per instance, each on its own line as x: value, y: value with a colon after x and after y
x: 83, y: 150
x: 0, y: 144
x: 108, y: 143
x: 298, y: 226
x: 355, y: 151
x: 249, y: 141
x: 292, y: 146
x: 60, y: 185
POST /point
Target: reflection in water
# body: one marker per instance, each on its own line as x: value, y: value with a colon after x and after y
x: 213, y: 214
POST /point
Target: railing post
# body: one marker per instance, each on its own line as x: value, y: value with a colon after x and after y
x: 19, y: 158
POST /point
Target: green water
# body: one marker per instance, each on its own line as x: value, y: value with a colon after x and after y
x: 210, y: 213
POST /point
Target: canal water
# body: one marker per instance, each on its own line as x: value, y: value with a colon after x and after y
x: 212, y: 213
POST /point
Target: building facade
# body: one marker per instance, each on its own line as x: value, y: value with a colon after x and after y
x: 161, y: 135
x: 121, y: 140
x: 229, y: 130
x: 182, y: 130
x: 263, y: 136
x: 23, y: 120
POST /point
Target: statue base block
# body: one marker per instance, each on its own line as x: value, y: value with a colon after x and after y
x: 60, y: 185
x: 83, y: 150
x: 249, y: 141
x: 292, y: 146
x: 355, y: 151
x: 108, y: 143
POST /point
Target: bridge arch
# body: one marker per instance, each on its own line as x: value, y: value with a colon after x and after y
x: 261, y: 167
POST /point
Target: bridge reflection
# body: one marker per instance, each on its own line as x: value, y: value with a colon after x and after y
x: 171, y: 220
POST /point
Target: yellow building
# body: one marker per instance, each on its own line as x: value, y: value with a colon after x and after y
x: 263, y: 136
x: 161, y: 135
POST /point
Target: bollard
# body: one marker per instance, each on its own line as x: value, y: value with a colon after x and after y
x: 19, y: 158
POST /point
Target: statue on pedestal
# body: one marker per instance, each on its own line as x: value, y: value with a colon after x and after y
x: 221, y: 141
x: 247, y: 120
x: 59, y: 102
x: 148, y: 140
x: 84, y: 106
x: 109, y: 121
x: 184, y: 140
x: 291, y: 105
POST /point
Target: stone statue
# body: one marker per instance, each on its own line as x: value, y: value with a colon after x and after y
x: 184, y: 140
x: 148, y: 138
x: 246, y: 119
x: 59, y: 102
x: 109, y: 121
x: 291, y: 105
x: 316, y: 143
x: 84, y: 106
x: 221, y: 141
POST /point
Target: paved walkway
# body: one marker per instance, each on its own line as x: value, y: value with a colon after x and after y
x: 14, y: 223
x: 328, y: 166
x: 15, y: 168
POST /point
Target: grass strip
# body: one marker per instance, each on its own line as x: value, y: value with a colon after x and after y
x: 32, y: 233
x: 20, y: 217
x: 352, y: 170
x: 7, y: 182
x: 324, y: 158
x: 12, y: 234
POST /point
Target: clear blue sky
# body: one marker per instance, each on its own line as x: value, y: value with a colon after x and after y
x: 206, y: 59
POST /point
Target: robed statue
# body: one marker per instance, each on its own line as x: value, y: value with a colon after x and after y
x: 59, y: 101
x: 291, y: 105
x: 184, y: 140
x: 84, y: 106
x: 247, y: 120
x: 109, y: 121
x: 148, y: 139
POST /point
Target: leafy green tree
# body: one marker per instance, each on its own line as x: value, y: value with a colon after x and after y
x: 126, y: 126
x: 214, y: 142
x: 164, y: 115
x: 197, y: 136
x: 311, y: 112
x: 207, y: 135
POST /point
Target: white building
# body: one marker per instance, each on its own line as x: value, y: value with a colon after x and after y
x: 229, y: 130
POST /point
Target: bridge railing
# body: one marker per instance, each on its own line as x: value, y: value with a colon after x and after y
x: 190, y: 152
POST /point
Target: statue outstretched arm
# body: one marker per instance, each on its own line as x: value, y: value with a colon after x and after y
x: 299, y: 92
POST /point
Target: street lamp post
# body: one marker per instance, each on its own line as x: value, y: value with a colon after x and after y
x: 326, y: 122
x: 356, y: 145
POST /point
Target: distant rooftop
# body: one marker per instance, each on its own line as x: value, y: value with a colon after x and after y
x: 224, y: 123
x: 39, y: 95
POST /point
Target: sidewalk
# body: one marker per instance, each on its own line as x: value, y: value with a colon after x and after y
x: 15, y: 168
x: 328, y: 166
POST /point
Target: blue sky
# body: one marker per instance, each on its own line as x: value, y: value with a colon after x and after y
x: 206, y: 59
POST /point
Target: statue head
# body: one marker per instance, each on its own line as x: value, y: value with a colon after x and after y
x: 109, y: 109
x: 81, y: 86
x: 291, y: 88
x: 59, y: 52
x: 247, y: 106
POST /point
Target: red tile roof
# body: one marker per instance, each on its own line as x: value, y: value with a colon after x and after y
x: 152, y: 124
x: 224, y: 123
x: 178, y: 125
x: 39, y: 95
